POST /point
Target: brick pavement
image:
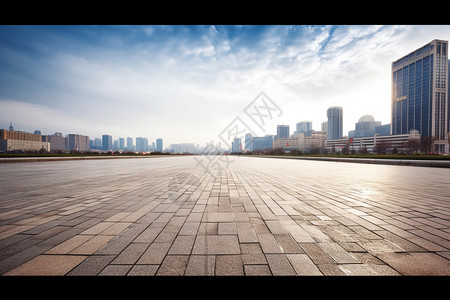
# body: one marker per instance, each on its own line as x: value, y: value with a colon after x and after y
x: 252, y: 216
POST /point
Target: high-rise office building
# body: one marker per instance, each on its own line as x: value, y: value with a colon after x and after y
x: 419, y: 93
x: 121, y: 144
x: 304, y: 127
x: 282, y: 131
x: 324, y: 127
x: 78, y: 142
x: 130, y: 146
x: 107, y: 142
x: 141, y: 144
x: 248, y: 142
x: 236, y: 145
x: 159, y: 145
x: 98, y: 143
x: 335, y: 122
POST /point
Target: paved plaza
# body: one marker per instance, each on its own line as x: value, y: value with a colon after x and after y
x: 223, y: 215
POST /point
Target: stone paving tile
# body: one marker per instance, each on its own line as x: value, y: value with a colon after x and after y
x: 279, y: 265
x: 201, y: 265
x: 257, y: 270
x: 216, y: 244
x: 229, y: 265
x: 254, y: 217
x: 53, y: 265
x: 173, y: 265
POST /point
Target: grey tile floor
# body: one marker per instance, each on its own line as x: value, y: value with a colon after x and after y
x: 211, y: 215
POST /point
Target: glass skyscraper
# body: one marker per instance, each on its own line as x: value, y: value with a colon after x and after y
x: 335, y: 122
x: 419, y: 93
x: 159, y: 145
x: 107, y: 142
x: 282, y: 131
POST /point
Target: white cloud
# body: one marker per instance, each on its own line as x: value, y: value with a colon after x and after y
x: 187, y: 87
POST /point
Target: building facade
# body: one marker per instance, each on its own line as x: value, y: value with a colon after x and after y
x: 107, y: 142
x: 159, y: 145
x: 78, y: 142
x: 282, y: 131
x: 130, y: 146
x: 419, y: 98
x: 141, y: 144
x: 262, y: 143
x: 316, y: 141
x: 236, y: 145
x: 335, y: 122
x: 304, y: 127
x: 57, y: 141
x: 19, y: 141
x: 398, y: 141
x: 248, y: 142
x: 367, y: 126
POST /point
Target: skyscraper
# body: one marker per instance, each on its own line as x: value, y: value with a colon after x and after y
x: 159, y: 145
x: 107, y: 142
x: 130, y: 146
x: 335, y: 121
x: 78, y: 142
x: 248, y: 142
x: 141, y: 144
x: 121, y: 144
x: 282, y: 131
x: 419, y: 93
x: 236, y: 146
x: 304, y: 127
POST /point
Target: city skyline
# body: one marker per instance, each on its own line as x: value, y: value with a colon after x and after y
x: 186, y: 83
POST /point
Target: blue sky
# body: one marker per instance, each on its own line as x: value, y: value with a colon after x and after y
x: 187, y: 83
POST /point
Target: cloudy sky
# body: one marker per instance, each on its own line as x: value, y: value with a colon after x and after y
x: 187, y: 83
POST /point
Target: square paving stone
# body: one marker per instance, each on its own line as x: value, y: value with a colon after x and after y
x: 201, y: 265
x: 417, y: 263
x: 44, y: 265
x: 216, y: 244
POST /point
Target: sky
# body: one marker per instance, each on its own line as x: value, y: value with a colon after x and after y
x: 186, y: 84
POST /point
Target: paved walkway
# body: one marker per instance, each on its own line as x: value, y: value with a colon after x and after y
x: 212, y: 215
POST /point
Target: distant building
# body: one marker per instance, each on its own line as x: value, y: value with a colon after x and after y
x: 304, y: 127
x: 367, y: 126
x: 390, y: 141
x: 121, y: 144
x: 236, y: 146
x: 98, y: 143
x: 289, y: 143
x: 383, y: 129
x: 78, y: 143
x: 282, y: 131
x: 141, y: 144
x: 324, y: 127
x: 57, y: 142
x: 335, y: 122
x: 183, y: 148
x: 159, y: 145
x: 107, y: 142
x: 316, y: 141
x: 130, y: 146
x: 248, y: 142
x: 262, y: 143
x: 13, y: 141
